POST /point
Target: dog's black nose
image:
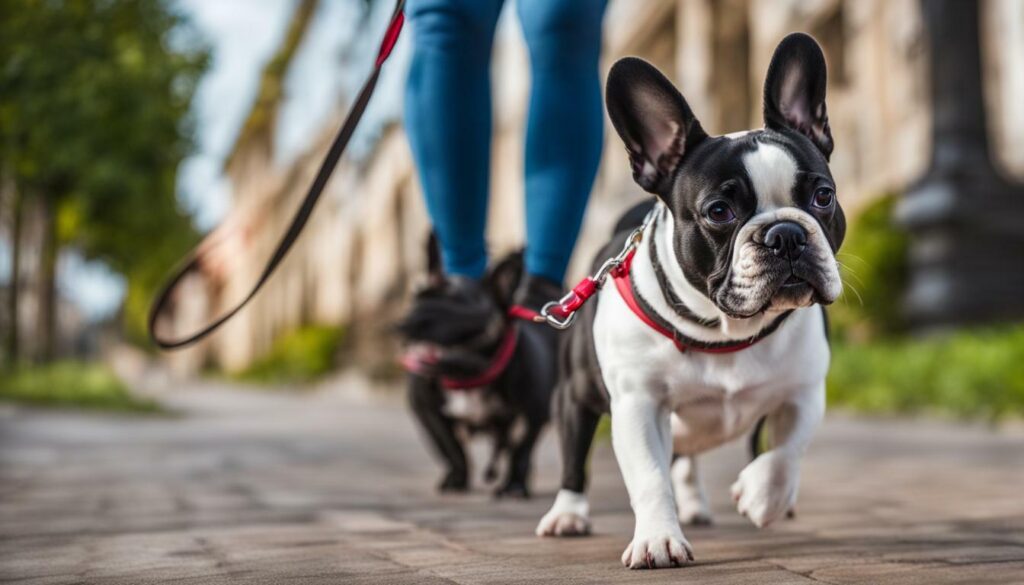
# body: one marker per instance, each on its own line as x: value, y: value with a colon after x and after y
x: 787, y: 239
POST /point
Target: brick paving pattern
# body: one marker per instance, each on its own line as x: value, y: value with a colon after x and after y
x: 258, y: 487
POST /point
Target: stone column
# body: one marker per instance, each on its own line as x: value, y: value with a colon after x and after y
x: 966, y: 220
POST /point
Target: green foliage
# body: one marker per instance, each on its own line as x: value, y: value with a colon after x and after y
x: 297, y: 357
x: 94, y: 103
x: 874, y: 269
x: 877, y: 368
x: 971, y: 373
x: 71, y: 384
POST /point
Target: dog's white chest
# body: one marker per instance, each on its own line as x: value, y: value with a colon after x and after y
x: 474, y: 406
x: 705, y: 417
x: 714, y: 398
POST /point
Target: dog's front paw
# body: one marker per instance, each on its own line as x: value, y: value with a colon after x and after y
x: 563, y: 524
x: 515, y: 490
x: 766, y: 488
x: 657, y: 551
x: 695, y: 514
x: 568, y: 516
x: 454, y: 481
x: 692, y: 507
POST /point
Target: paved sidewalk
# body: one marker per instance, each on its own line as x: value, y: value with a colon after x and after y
x: 259, y: 487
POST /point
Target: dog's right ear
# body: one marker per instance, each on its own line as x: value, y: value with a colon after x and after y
x: 794, y: 91
x: 435, y: 268
x: 653, y: 120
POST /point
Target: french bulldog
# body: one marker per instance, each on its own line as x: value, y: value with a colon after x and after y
x: 717, y: 324
x: 476, y: 369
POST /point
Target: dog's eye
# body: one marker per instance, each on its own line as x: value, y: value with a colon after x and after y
x: 719, y: 212
x: 823, y: 197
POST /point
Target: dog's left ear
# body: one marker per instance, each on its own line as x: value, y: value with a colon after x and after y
x: 794, y: 91
x: 653, y: 120
x: 503, y: 278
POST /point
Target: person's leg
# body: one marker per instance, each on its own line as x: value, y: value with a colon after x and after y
x: 448, y: 120
x: 565, y: 127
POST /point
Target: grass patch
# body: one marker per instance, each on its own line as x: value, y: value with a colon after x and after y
x: 71, y: 384
x: 299, y: 356
x: 873, y: 262
x: 967, y: 374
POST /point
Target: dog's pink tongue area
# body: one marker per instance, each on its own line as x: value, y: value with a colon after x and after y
x: 425, y: 353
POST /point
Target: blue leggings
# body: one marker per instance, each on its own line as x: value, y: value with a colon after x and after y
x: 448, y: 120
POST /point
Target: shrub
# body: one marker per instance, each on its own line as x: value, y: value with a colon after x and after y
x: 299, y: 356
x: 874, y: 267
x: 970, y: 373
x: 73, y: 384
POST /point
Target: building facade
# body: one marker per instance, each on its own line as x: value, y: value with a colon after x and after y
x: 363, y: 250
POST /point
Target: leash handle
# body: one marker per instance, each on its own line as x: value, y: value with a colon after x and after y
x: 194, y: 260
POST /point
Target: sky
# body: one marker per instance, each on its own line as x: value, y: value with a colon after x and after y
x: 242, y: 35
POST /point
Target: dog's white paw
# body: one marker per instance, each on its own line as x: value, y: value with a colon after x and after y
x: 766, y: 488
x: 568, y: 516
x: 693, y: 512
x: 565, y: 524
x: 691, y: 503
x: 657, y: 550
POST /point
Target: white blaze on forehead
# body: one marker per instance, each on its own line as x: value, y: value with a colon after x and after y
x: 772, y: 172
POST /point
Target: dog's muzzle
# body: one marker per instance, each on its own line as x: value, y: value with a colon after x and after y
x: 782, y: 263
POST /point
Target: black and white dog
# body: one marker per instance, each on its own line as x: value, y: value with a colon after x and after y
x: 712, y: 326
x: 474, y: 368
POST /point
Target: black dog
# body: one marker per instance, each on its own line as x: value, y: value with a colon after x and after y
x: 474, y: 369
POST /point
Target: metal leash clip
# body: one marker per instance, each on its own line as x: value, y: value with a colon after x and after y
x: 560, y: 314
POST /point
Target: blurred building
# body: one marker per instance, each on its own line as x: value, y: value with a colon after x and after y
x: 364, y: 247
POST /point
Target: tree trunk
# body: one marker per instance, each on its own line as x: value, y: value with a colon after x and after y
x: 48, y: 282
x: 11, y: 339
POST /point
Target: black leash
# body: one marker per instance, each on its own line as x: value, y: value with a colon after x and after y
x: 192, y: 262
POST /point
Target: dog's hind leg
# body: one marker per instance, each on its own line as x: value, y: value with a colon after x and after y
x: 501, y: 431
x: 691, y: 502
x: 427, y: 400
x: 577, y: 423
x: 515, y: 484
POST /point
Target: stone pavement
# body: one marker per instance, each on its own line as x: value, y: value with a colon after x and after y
x: 259, y: 487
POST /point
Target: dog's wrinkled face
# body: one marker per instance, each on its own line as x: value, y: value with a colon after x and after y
x: 757, y: 223
x: 757, y: 220
x: 454, y: 324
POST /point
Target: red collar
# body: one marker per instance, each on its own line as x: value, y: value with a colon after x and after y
x: 622, y: 282
x: 499, y: 363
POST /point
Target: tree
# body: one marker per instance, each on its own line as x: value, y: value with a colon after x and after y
x: 94, y: 121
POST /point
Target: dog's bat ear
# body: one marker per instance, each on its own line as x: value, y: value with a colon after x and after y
x: 504, y: 276
x: 435, y: 269
x: 794, y: 91
x: 653, y: 120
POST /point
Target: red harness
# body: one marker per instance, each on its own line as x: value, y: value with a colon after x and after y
x: 620, y: 275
